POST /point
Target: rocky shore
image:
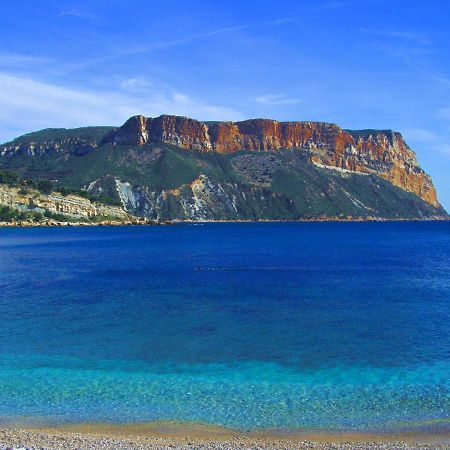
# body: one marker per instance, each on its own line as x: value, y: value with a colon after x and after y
x: 144, y: 221
x: 56, y: 223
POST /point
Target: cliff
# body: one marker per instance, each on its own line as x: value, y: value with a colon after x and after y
x: 55, y: 206
x: 176, y: 168
x: 384, y: 153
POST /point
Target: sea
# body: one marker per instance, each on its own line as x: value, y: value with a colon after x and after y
x: 292, y: 326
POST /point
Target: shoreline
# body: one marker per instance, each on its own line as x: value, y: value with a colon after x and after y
x: 148, y: 222
x: 170, y: 434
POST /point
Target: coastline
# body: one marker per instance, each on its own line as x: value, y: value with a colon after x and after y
x: 178, y: 435
x: 148, y: 222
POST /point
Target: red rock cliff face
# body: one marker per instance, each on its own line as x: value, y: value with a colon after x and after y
x: 384, y: 153
x: 263, y: 134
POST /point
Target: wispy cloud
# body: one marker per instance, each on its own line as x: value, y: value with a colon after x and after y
x: 408, y: 47
x: 76, y: 13
x: 336, y: 4
x: 444, y: 113
x: 225, y: 30
x: 428, y: 139
x: 341, y: 4
x: 20, y: 61
x: 161, y: 45
x: 397, y: 34
x: 34, y: 105
x: 136, y: 84
x: 420, y: 134
x: 276, y: 100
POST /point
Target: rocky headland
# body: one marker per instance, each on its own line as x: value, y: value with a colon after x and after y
x: 172, y: 168
x: 384, y: 153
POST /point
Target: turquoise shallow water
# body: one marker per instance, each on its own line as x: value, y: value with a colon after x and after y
x: 326, y: 326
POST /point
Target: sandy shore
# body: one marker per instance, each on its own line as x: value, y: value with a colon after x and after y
x: 168, y: 436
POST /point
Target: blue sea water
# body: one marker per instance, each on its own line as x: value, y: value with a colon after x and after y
x: 331, y: 326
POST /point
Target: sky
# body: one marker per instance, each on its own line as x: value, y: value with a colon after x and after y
x: 358, y: 63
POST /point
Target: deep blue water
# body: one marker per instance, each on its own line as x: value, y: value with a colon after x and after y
x: 338, y: 326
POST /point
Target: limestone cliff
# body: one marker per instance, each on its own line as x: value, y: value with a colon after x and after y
x: 176, y: 168
x: 70, y: 206
x: 383, y: 153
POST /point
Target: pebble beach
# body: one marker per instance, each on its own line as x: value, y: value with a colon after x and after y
x: 19, y: 439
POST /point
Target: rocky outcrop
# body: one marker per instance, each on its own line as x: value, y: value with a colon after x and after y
x: 384, y: 153
x: 175, y: 130
x: 69, y: 205
x: 224, y: 137
x: 281, y: 185
x: 79, y: 146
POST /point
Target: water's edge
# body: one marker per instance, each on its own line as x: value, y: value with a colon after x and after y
x: 207, y: 432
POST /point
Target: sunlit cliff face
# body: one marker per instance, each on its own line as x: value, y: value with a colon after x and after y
x: 384, y: 153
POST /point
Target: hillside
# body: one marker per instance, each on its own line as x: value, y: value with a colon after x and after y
x: 174, y: 168
x: 30, y: 202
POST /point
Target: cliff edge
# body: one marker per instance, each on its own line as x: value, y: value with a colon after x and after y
x: 384, y: 153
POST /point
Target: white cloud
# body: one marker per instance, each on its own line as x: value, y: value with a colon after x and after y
x: 27, y: 105
x: 136, y: 84
x: 276, y: 100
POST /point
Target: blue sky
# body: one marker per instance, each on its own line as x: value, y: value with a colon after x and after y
x: 358, y: 63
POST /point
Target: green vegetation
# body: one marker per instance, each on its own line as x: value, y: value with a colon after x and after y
x: 43, y: 186
x: 13, y: 179
x: 59, y: 134
x: 56, y: 216
x: 9, y: 178
x: 245, y: 185
x: 8, y: 215
x: 105, y: 200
